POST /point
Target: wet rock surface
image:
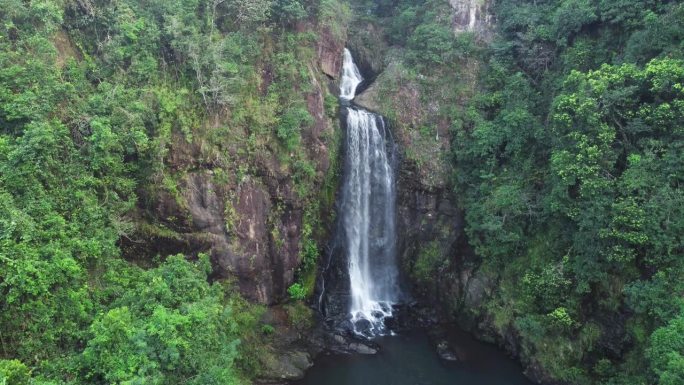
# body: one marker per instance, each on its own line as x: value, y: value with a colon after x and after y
x: 351, y: 345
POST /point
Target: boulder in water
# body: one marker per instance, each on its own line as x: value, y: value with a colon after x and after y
x: 360, y: 348
x: 445, y: 352
x: 342, y: 344
x: 289, y: 365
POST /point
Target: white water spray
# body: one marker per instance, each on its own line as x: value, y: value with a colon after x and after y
x: 351, y: 77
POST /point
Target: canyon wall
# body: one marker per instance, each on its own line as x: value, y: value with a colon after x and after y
x: 252, y: 214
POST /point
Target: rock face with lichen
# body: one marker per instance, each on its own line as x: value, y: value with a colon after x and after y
x: 246, y: 208
x: 472, y: 16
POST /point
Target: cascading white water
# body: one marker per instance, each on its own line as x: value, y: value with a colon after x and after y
x: 368, y: 213
x: 351, y: 77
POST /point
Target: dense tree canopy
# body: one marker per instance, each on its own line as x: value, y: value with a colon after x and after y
x: 570, y: 172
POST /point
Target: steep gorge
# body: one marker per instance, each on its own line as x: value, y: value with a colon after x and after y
x: 249, y: 215
x: 163, y: 161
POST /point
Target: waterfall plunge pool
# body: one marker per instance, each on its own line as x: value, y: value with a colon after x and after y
x: 410, y: 358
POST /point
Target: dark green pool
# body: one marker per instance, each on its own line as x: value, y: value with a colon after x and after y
x: 410, y: 359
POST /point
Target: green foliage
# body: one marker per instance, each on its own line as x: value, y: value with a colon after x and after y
x: 289, y: 11
x: 570, y: 16
x: 335, y: 15
x: 331, y: 106
x: 569, y: 171
x: 290, y: 124
x: 666, y: 352
x: 14, y: 372
x: 432, y: 43
x: 296, y: 291
x: 561, y: 319
x: 301, y: 317
x: 547, y: 288
x: 406, y: 20
x: 429, y: 262
x: 661, y: 35
x: 169, y: 326
x: 267, y: 329
x: 249, y: 13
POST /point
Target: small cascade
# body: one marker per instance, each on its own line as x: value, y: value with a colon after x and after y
x: 368, y: 213
x: 351, y: 77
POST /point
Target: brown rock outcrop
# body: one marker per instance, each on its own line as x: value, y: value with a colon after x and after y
x: 243, y: 206
x: 472, y: 16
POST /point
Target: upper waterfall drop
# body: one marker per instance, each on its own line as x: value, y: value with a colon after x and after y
x: 351, y: 77
x: 368, y: 213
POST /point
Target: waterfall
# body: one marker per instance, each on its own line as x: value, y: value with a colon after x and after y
x: 368, y: 213
x: 351, y: 77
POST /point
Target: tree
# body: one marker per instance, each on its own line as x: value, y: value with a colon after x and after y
x: 666, y: 352
x: 288, y: 12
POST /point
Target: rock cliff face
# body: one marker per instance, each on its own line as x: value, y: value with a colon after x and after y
x: 329, y: 50
x: 427, y: 214
x: 245, y: 210
x: 249, y: 217
x: 472, y: 16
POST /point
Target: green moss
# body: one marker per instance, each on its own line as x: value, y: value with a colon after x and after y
x: 300, y: 315
x: 152, y: 230
x: 430, y: 260
x: 230, y: 215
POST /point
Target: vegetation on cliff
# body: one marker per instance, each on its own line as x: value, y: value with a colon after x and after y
x: 568, y: 163
x: 569, y: 166
x: 96, y: 99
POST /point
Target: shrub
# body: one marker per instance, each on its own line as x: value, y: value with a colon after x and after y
x: 267, y: 329
x: 13, y: 372
x: 290, y: 123
x: 296, y: 291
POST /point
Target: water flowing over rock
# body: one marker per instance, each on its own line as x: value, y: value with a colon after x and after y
x: 367, y: 212
x: 351, y: 77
